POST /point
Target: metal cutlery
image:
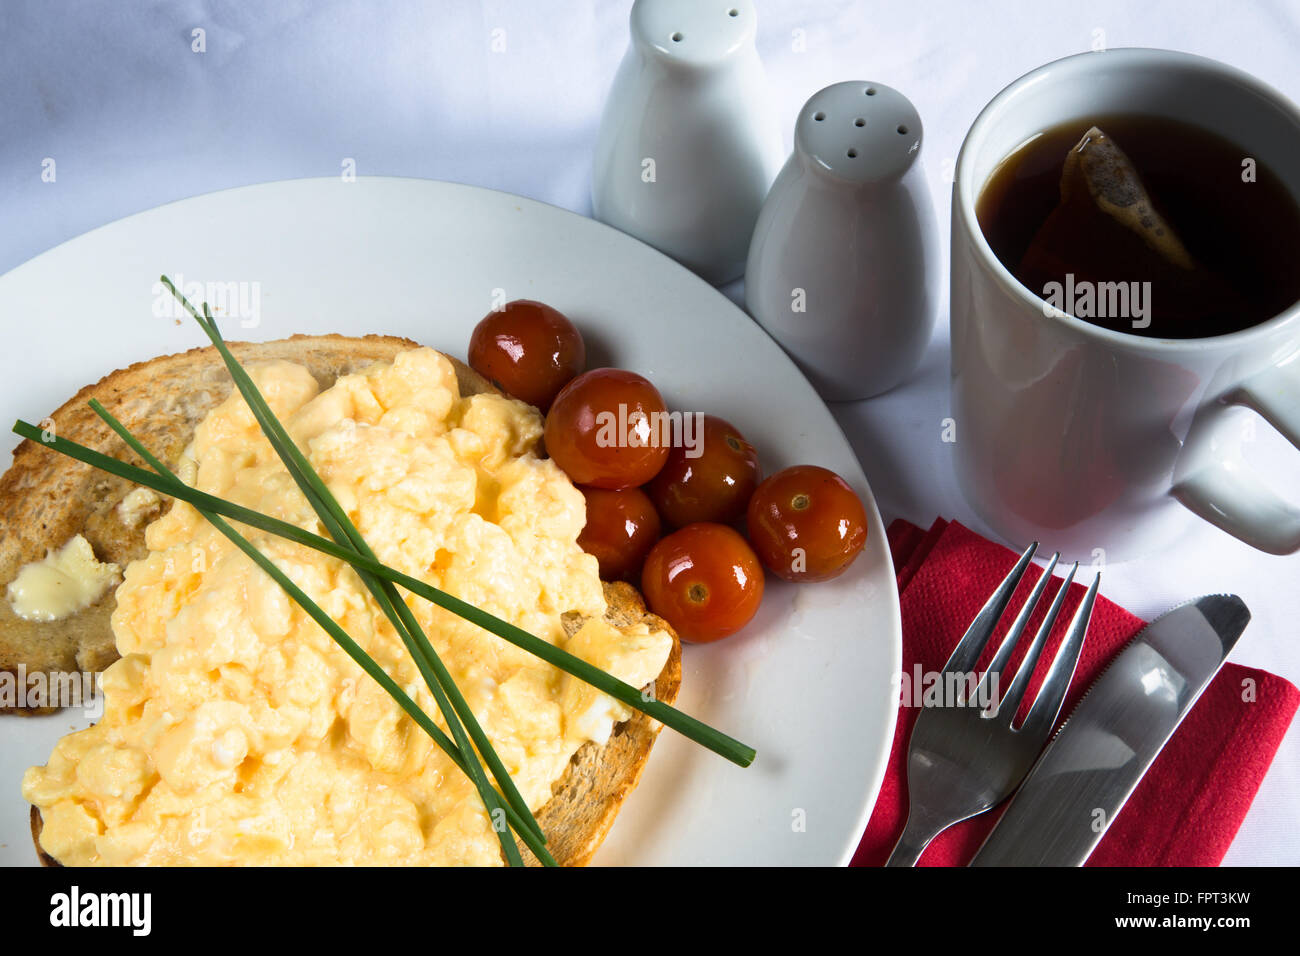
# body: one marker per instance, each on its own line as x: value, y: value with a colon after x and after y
x: 964, y: 759
x: 1100, y: 754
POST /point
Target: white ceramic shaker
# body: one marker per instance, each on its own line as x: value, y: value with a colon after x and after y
x: 842, y: 268
x: 688, y: 145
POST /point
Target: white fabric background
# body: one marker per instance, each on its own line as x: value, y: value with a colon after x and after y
x: 288, y: 88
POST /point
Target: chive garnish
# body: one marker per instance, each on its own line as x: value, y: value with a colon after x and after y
x: 696, y: 730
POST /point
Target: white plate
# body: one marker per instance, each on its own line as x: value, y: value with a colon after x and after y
x: 808, y: 683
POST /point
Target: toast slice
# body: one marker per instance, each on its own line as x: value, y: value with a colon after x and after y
x: 46, y: 498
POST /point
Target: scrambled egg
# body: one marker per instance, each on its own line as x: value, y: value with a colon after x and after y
x: 236, y: 731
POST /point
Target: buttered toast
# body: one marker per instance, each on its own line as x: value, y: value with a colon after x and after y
x: 45, y: 499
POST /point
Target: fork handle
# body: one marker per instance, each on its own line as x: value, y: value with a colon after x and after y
x: 917, y: 835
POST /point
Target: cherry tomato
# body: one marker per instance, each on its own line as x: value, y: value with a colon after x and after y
x: 528, y: 350
x: 710, y: 478
x: 622, y: 527
x: 704, y: 580
x: 806, y: 524
x: 609, y: 429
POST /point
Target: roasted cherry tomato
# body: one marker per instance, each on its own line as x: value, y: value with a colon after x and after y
x: 609, y: 429
x: 704, y: 580
x: 528, y: 350
x: 709, y: 476
x: 622, y: 527
x: 806, y: 523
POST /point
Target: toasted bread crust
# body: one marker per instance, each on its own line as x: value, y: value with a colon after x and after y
x: 37, y: 826
x: 600, y: 777
x: 45, y: 498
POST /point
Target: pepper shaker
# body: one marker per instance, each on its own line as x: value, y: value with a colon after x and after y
x: 842, y: 266
x: 688, y: 146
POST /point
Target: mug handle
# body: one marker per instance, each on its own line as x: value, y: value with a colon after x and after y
x: 1214, y: 481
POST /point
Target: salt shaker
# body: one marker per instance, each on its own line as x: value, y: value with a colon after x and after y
x: 842, y: 268
x: 688, y: 145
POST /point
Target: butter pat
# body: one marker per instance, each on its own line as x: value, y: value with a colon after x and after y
x: 137, y: 505
x: 65, y: 582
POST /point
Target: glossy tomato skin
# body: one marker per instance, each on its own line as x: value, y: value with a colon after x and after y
x: 704, y: 580
x: 606, y: 429
x: 711, y: 481
x: 528, y: 350
x: 806, y: 524
x: 622, y: 527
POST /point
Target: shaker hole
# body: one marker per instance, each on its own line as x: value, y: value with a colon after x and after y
x: 819, y: 116
x: 871, y: 91
x: 902, y: 131
x: 677, y: 38
x: 853, y: 154
x: 859, y: 122
x: 733, y: 12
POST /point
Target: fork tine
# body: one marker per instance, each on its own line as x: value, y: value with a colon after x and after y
x: 1016, y: 692
x: 1047, y: 705
x: 1008, y: 645
x: 967, y: 653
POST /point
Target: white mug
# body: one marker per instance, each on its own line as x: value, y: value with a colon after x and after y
x: 1087, y: 438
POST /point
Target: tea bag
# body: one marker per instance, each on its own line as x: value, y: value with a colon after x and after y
x: 1097, y: 171
x: 1107, y: 230
x: 1106, y: 226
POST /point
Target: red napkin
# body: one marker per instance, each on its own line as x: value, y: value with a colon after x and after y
x: 1188, y: 807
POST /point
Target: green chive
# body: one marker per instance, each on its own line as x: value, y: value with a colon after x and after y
x: 669, y: 716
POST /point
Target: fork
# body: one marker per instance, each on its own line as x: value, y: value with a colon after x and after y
x: 962, y: 759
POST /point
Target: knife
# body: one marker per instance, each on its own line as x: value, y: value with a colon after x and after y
x: 1082, y: 780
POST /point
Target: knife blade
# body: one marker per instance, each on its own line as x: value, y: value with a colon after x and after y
x: 1097, y: 758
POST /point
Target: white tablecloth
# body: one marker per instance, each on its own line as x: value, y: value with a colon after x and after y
x: 507, y: 94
